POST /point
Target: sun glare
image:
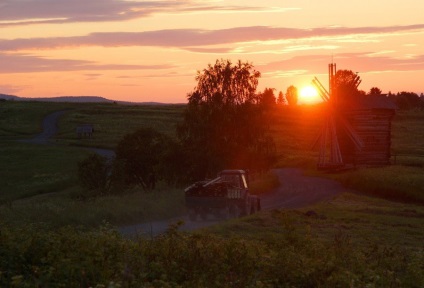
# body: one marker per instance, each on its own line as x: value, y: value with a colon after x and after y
x: 309, y: 95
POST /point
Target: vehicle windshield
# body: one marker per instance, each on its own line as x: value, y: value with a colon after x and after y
x: 238, y: 180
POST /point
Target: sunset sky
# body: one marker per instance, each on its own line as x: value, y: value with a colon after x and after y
x: 150, y: 50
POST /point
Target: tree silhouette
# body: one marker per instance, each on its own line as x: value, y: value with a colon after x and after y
x: 292, y: 95
x: 267, y: 98
x: 140, y: 154
x: 346, y: 84
x: 375, y: 91
x: 281, y: 100
x: 222, y: 124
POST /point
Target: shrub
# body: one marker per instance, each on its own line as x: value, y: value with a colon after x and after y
x: 93, y: 174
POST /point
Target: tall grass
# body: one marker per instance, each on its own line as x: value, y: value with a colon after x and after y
x: 401, y: 183
x: 29, y: 170
x: 283, y: 249
x: 60, y: 209
x: 111, y: 122
x: 23, y: 119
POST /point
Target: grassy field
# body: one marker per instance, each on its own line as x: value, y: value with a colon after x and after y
x: 352, y: 240
x: 31, y: 171
x: 349, y: 241
x: 111, y: 122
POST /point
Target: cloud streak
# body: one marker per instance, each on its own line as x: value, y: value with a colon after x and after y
x: 361, y: 62
x: 307, y: 64
x: 193, y: 39
x: 19, y: 12
x: 23, y: 63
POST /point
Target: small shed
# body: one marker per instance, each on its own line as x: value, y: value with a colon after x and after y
x: 85, y: 131
x: 370, y: 116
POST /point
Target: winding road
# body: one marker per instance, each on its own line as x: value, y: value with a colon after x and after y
x: 296, y: 190
x: 49, y: 129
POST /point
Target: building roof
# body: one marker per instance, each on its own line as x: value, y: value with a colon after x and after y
x: 370, y: 102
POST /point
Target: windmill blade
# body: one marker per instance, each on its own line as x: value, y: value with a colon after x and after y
x: 323, y: 146
x: 356, y: 139
x: 321, y: 90
x: 357, y: 84
x: 335, y: 153
x: 321, y: 86
x: 317, y: 140
x: 356, y: 81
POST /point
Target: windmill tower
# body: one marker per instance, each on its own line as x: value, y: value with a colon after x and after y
x: 335, y: 125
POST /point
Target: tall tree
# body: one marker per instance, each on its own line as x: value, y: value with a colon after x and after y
x: 267, y: 98
x: 222, y: 126
x: 346, y: 84
x: 292, y: 95
x: 280, y: 99
x: 375, y: 91
x: 140, y: 153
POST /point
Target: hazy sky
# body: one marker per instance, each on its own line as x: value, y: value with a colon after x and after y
x: 150, y: 50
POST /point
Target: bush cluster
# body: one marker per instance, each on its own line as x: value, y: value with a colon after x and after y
x: 33, y: 257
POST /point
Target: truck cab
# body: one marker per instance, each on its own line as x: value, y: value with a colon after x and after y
x: 226, y: 196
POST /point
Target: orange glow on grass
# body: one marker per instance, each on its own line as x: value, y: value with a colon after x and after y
x: 309, y: 95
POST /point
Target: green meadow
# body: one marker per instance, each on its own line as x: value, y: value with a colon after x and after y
x: 370, y: 238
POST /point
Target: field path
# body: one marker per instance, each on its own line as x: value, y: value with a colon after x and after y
x: 295, y: 191
x: 49, y: 129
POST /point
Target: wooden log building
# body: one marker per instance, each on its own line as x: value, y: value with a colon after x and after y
x: 370, y: 116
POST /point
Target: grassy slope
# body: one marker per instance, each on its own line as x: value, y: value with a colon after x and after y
x: 38, y: 182
x: 111, y: 122
x: 32, y: 170
x: 352, y: 240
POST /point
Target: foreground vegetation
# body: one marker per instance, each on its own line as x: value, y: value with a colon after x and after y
x: 351, y: 241
x: 47, y: 237
x: 37, y: 170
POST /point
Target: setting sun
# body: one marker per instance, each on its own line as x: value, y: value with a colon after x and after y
x: 309, y: 95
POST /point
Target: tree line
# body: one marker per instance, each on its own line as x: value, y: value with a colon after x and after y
x: 226, y: 125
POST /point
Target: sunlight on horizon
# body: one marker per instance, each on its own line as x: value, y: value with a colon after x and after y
x: 309, y: 95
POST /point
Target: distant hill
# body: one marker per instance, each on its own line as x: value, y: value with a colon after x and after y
x: 8, y: 97
x: 73, y: 99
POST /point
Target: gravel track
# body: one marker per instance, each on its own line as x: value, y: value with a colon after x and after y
x: 295, y: 191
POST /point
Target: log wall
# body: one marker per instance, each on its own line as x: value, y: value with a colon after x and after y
x: 373, y: 126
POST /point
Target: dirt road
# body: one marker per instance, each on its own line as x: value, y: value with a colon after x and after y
x: 296, y: 191
x: 49, y: 129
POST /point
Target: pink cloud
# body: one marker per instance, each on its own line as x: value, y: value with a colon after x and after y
x: 23, y: 63
x: 191, y: 39
x: 28, y: 12
x: 359, y: 62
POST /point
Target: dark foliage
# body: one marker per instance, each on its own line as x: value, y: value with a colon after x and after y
x: 93, y: 173
x: 139, y: 154
x: 223, y: 128
x: 346, y: 84
x: 407, y: 100
x: 292, y: 95
x: 267, y: 98
x: 281, y: 100
x: 375, y: 91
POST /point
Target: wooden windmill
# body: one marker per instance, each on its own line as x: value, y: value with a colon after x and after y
x: 336, y: 128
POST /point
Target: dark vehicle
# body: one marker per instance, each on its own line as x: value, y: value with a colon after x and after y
x: 224, y: 197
